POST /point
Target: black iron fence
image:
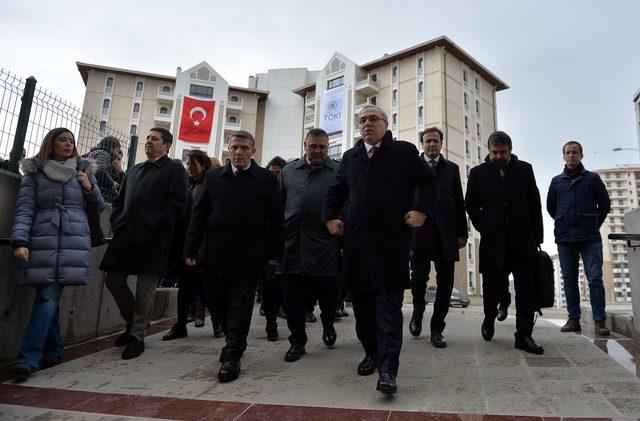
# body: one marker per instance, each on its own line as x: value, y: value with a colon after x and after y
x: 28, y: 112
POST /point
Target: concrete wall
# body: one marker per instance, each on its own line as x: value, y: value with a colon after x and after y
x: 632, y: 226
x: 85, y: 311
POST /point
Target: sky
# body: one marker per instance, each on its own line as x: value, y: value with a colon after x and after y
x: 572, y: 65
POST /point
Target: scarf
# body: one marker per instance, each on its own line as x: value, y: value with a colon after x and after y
x: 575, y: 172
x: 60, y: 171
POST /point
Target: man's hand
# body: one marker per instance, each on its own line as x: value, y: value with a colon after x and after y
x: 272, y: 262
x: 190, y: 261
x: 415, y: 219
x: 335, y: 227
x: 115, y: 186
x: 461, y: 242
x: 21, y: 253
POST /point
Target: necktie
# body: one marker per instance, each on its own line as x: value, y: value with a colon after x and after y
x: 432, y: 165
x: 372, y: 151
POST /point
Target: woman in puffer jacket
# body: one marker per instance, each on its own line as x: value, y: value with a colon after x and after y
x: 51, y: 240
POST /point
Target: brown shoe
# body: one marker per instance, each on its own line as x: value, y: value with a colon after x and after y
x: 601, y: 329
x: 572, y: 325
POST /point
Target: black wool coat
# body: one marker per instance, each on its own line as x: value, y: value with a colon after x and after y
x: 439, y: 235
x: 152, y: 200
x: 242, y: 217
x: 507, y: 213
x: 378, y: 193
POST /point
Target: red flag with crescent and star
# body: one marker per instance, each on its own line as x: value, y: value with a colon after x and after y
x: 196, y: 119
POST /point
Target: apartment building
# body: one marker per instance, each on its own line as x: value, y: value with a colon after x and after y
x: 435, y: 83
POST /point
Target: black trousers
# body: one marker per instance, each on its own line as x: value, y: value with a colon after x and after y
x: 420, y: 270
x: 190, y: 284
x: 233, y: 299
x: 495, y: 286
x: 379, y: 326
x: 271, y: 296
x: 297, y: 289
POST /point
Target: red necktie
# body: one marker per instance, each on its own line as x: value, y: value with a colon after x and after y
x: 373, y: 150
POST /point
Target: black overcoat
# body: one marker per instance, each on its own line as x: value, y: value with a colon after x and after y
x: 378, y: 193
x: 243, y: 218
x: 507, y: 213
x: 450, y: 222
x: 152, y: 200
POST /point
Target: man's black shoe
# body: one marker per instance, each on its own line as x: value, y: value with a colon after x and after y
x: 294, y: 353
x: 229, y: 370
x: 329, y: 337
x: 338, y: 314
x: 526, y: 343
x: 387, y: 383
x: 487, y: 329
x: 21, y: 372
x: 438, y: 340
x: 311, y: 318
x: 134, y: 348
x: 503, y: 309
x: 217, y: 331
x: 50, y: 362
x: 368, y: 365
x: 123, y: 339
x: 415, y: 325
x: 272, y: 334
x: 176, y: 332
x: 199, y: 322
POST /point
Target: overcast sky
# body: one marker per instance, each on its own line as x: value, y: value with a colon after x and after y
x: 573, y: 66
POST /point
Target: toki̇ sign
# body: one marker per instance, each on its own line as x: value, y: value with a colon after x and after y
x: 332, y: 110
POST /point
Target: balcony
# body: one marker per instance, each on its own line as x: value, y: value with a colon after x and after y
x: 310, y: 101
x: 367, y: 85
x: 138, y: 95
x: 309, y: 121
x: 420, y: 121
x: 232, y: 124
x: 361, y: 103
x: 105, y: 112
x: 235, y: 104
x: 162, y: 115
x: 166, y: 95
x: 108, y: 90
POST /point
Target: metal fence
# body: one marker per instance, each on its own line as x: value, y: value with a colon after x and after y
x: 28, y: 112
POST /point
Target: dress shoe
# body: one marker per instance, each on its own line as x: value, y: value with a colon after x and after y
x: 294, y: 353
x: 134, y: 348
x: 368, y: 365
x: 229, y: 370
x: 281, y: 313
x: 387, y: 383
x: 572, y: 325
x: 415, y: 325
x: 601, y: 329
x: 338, y: 315
x: 487, y: 329
x: 438, y: 340
x: 123, y: 339
x: 272, y: 334
x: 311, y: 318
x: 48, y: 362
x: 329, y: 337
x: 21, y: 372
x: 503, y: 309
x: 526, y: 343
x: 176, y: 332
x: 199, y: 322
x: 344, y: 313
x: 217, y: 331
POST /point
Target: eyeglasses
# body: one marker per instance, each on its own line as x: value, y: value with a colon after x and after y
x: 372, y: 118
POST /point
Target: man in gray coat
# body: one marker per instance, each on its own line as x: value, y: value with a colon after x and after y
x: 152, y: 200
x: 311, y: 260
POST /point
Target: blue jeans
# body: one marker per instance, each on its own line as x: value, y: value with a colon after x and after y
x: 591, y: 253
x: 43, y: 331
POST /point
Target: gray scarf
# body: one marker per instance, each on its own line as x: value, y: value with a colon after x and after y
x: 60, y: 171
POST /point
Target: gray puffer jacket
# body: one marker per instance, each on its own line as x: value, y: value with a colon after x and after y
x: 51, y: 222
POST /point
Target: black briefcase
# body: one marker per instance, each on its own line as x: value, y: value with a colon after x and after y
x: 545, y: 283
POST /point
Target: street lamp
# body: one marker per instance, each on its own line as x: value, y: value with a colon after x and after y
x: 626, y: 149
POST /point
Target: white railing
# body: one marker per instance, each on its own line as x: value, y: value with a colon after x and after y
x: 235, y: 103
x: 108, y: 89
x: 165, y: 94
x: 309, y: 120
x: 233, y: 125
x: 105, y: 112
x: 138, y: 94
x: 420, y: 96
x: 364, y: 81
x: 163, y: 116
x: 135, y: 115
x: 420, y: 121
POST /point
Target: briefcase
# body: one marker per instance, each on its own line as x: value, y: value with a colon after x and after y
x: 545, y: 282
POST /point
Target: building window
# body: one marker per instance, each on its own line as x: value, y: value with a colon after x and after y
x: 468, y: 168
x: 477, y: 107
x: 465, y: 77
x: 466, y: 100
x: 420, y: 87
x: 420, y: 64
x: 335, y: 151
x: 133, y: 130
x: 479, y: 152
x: 394, y: 118
x: 470, y: 251
x: 234, y: 99
x: 136, y: 108
x: 466, y: 123
x: 394, y: 95
x: 477, y: 82
x: 139, y: 86
x: 334, y: 83
x: 163, y: 110
x: 373, y: 100
x: 109, y: 84
x: 103, y: 127
x: 394, y: 71
x: 166, y: 88
x: 106, y: 104
x: 201, y: 91
x: 233, y: 119
x: 467, y: 146
x: 421, y: 111
x: 478, y: 130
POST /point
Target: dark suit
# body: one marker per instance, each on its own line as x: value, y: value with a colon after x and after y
x: 507, y: 213
x: 379, y: 191
x: 243, y: 219
x: 437, y: 241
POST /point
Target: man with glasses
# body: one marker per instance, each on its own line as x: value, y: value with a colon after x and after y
x: 377, y: 180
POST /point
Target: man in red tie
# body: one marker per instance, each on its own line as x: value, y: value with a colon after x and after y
x: 377, y: 180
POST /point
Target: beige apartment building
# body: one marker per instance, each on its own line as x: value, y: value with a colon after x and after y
x: 435, y: 83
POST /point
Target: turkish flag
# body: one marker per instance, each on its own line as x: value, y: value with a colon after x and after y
x: 196, y: 119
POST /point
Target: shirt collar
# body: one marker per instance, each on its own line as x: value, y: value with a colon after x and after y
x: 427, y: 159
x: 368, y: 146
x: 235, y: 169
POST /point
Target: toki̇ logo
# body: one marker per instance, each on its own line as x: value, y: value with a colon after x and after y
x: 332, y: 114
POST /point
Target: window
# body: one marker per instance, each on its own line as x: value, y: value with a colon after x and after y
x: 201, y: 91
x: 470, y: 251
x: 465, y: 77
x: 420, y: 64
x: 374, y: 77
x: 373, y: 100
x: 477, y: 82
x: 334, y: 83
x: 420, y: 87
x: 394, y: 95
x: 468, y: 168
x: 139, y: 86
x: 467, y: 146
x: 477, y: 107
x: 133, y: 130
x: 466, y: 100
x: 335, y: 151
x: 420, y: 111
x: 233, y: 119
x: 394, y: 118
x: 466, y: 123
x: 480, y: 152
x: 136, y: 108
x: 234, y: 99
x: 394, y: 71
x: 105, y: 104
x: 103, y: 127
x: 166, y: 88
x: 478, y: 130
x: 163, y: 110
x: 110, y: 82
